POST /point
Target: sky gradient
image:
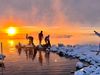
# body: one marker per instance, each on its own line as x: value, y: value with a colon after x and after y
x: 80, y: 14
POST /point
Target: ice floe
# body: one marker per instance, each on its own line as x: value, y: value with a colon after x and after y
x: 85, y: 53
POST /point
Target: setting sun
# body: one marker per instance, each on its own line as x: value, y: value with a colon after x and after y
x: 11, y: 31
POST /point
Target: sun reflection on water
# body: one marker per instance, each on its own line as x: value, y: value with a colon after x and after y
x: 11, y: 44
x: 55, y: 60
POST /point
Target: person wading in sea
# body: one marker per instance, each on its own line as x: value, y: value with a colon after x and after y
x: 47, y: 41
x: 40, y: 36
x: 30, y: 38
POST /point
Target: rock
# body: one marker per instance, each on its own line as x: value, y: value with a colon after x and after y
x: 60, y: 45
x: 2, y: 57
x: 40, y: 46
x: 61, y: 54
x: 79, y: 73
x: 79, y: 65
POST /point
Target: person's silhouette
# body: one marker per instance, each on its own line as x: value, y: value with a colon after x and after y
x: 30, y: 38
x: 47, y: 41
x: 40, y: 36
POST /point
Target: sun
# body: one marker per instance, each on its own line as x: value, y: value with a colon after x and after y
x: 11, y: 31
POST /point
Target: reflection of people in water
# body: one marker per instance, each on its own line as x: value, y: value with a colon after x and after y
x: 19, y: 49
x: 47, y: 55
x: 26, y: 52
x: 2, y: 66
x: 34, y: 55
x: 29, y: 53
x: 40, y: 58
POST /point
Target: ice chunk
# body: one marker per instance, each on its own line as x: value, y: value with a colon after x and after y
x: 79, y: 65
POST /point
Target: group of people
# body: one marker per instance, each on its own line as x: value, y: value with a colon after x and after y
x: 40, y: 37
x: 30, y: 53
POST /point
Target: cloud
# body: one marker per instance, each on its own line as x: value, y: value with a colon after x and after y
x: 52, y: 12
x: 82, y: 11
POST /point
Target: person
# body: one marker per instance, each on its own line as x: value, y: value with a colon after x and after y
x: 40, y: 36
x: 47, y: 41
x: 30, y: 38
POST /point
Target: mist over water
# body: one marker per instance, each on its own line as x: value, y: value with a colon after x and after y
x: 64, y: 39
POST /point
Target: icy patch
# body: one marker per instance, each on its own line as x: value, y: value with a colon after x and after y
x: 2, y: 57
x: 79, y: 65
x: 82, y: 52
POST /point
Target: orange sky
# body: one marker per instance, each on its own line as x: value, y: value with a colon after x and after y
x: 55, y: 30
x: 58, y: 17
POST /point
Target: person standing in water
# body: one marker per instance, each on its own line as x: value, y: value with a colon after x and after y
x: 40, y: 36
x: 47, y: 41
x: 30, y: 38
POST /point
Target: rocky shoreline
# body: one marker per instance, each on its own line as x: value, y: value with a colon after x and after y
x: 85, y: 53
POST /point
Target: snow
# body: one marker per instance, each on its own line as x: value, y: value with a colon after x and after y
x: 2, y: 57
x: 40, y: 46
x: 85, y: 53
x: 79, y: 73
x: 79, y: 65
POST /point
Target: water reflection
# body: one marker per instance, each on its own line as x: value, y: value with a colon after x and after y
x: 19, y: 49
x: 2, y: 67
x: 47, y: 56
x: 28, y: 61
x: 11, y: 43
x: 32, y: 53
x: 40, y: 58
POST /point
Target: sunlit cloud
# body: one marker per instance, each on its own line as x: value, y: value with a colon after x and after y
x: 51, y: 14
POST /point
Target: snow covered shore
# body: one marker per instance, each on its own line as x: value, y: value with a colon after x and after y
x: 84, y: 53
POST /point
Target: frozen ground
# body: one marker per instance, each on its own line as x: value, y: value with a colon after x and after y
x: 86, y: 53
